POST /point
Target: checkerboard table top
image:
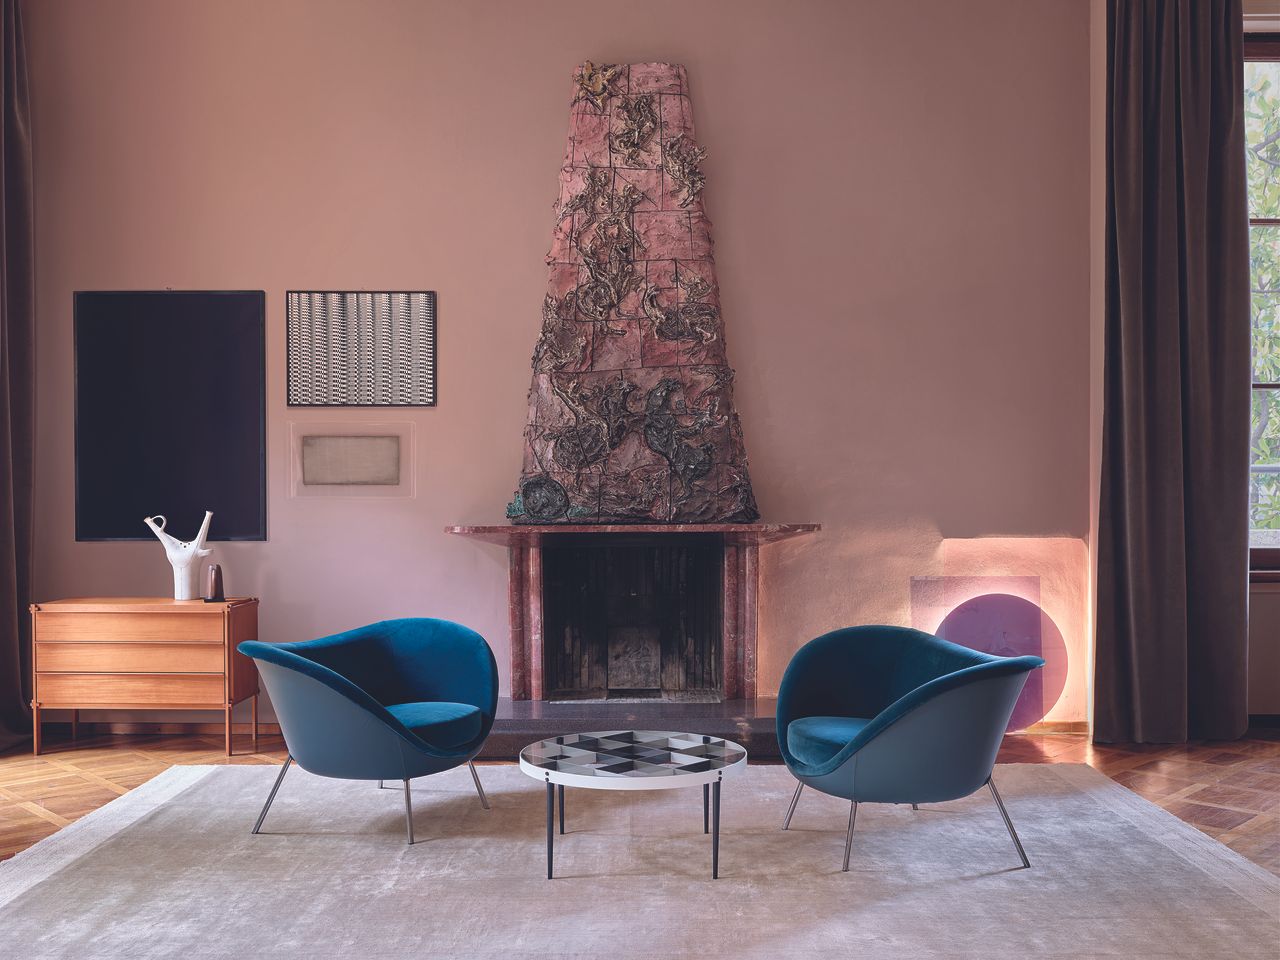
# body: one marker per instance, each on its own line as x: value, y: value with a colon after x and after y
x: 632, y: 759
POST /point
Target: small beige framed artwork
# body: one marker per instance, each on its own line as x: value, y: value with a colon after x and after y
x: 371, y: 460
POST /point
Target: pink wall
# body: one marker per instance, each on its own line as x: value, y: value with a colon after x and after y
x: 901, y: 204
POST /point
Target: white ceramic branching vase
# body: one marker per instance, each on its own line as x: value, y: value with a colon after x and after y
x: 183, y: 556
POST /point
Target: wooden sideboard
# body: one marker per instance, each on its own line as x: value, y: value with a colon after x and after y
x: 143, y: 653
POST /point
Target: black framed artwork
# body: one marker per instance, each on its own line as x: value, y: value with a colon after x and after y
x: 170, y: 412
x: 349, y: 348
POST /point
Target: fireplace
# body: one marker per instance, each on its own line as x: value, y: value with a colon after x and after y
x: 632, y: 616
x: 634, y: 536
x: 734, y: 548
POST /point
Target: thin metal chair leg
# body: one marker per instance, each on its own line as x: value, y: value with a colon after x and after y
x: 484, y: 801
x: 848, y: 840
x: 786, y: 823
x: 408, y: 813
x: 272, y: 795
x: 379, y: 784
x: 1008, y: 823
x: 915, y: 806
x: 706, y: 808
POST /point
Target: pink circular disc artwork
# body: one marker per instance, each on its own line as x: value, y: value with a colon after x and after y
x: 1010, y: 626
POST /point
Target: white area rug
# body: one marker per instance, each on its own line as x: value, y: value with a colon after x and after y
x: 171, y: 870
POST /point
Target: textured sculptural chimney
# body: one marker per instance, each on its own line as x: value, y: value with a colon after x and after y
x: 631, y: 416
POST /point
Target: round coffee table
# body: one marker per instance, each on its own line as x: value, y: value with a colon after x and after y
x: 634, y: 760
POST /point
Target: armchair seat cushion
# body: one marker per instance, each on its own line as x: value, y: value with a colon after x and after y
x: 440, y: 723
x: 814, y: 740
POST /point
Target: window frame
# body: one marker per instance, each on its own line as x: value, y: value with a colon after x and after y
x: 1264, y: 562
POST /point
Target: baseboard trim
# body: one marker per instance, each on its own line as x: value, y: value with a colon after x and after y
x: 1059, y: 726
x: 161, y: 727
x: 179, y: 728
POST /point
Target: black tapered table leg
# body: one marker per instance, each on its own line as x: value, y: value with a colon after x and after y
x: 706, y: 808
x: 715, y: 830
x: 560, y: 790
x: 551, y: 816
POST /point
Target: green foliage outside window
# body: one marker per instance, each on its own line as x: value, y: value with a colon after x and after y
x: 1262, y: 138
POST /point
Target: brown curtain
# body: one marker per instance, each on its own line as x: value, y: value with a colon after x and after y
x: 1173, y: 550
x: 17, y: 382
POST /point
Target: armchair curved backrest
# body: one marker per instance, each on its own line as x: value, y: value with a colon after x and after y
x: 331, y: 695
x: 936, y: 712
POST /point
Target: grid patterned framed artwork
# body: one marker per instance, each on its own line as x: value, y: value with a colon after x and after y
x: 349, y: 348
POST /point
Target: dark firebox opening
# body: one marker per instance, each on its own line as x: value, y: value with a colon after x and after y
x: 630, y: 616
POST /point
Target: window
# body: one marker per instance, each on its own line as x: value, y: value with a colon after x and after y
x: 1262, y: 137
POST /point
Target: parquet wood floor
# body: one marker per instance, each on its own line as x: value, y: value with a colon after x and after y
x: 1229, y: 790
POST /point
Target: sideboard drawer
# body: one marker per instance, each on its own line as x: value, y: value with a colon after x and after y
x: 133, y: 657
x: 144, y: 628
x: 101, y: 689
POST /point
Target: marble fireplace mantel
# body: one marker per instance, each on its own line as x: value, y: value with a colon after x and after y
x: 742, y: 542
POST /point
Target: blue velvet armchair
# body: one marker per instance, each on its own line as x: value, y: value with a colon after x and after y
x: 880, y: 714
x: 391, y: 701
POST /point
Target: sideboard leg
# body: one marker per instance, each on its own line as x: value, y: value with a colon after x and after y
x: 35, y: 729
x: 227, y: 712
x: 75, y: 724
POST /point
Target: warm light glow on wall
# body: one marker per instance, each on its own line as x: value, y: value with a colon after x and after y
x: 1002, y: 616
x: 1049, y: 573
